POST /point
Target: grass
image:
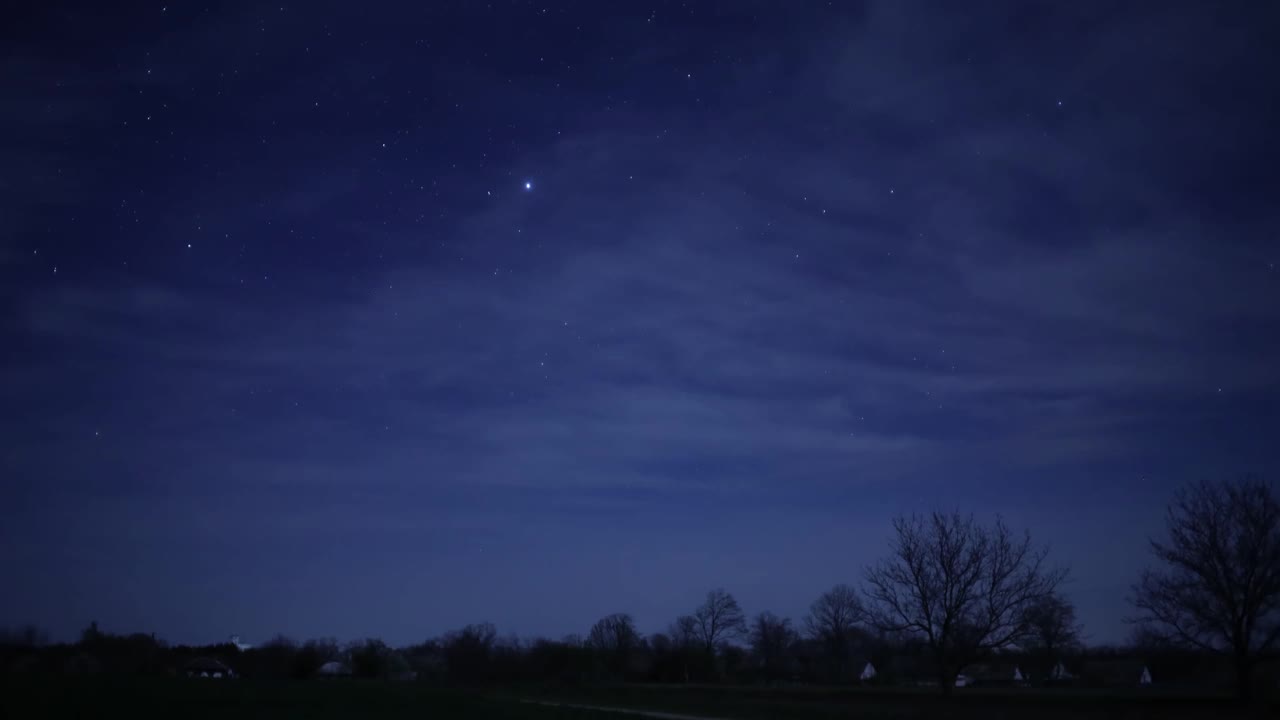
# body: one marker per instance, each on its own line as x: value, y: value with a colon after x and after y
x: 141, y: 699
x: 884, y: 704
x: 181, y: 698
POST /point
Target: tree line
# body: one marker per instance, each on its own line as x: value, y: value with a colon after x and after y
x: 950, y: 592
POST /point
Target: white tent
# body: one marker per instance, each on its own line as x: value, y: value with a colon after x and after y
x: 333, y: 668
x: 868, y: 673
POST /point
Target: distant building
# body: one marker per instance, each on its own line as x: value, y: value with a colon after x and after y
x: 207, y: 667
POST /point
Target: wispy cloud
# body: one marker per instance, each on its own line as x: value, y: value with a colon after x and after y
x: 885, y: 281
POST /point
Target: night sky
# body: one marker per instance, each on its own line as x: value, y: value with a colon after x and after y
x: 379, y: 318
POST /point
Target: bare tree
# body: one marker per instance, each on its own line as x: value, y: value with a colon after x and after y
x: 718, y: 619
x: 1219, y: 587
x: 468, y: 653
x: 961, y: 587
x: 1144, y: 640
x: 685, y: 642
x: 771, y: 639
x: 615, y: 639
x: 684, y: 631
x: 313, y: 654
x: 831, y: 621
x: 1053, y: 625
x: 1053, y: 629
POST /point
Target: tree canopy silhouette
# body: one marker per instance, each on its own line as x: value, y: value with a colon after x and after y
x: 962, y: 587
x: 1217, y: 586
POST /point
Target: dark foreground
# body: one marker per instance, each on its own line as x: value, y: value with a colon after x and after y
x: 227, y: 699
x: 740, y: 703
x: 179, y: 698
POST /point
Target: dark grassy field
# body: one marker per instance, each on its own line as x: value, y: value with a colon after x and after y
x: 227, y: 699
x: 180, y: 698
x: 872, y: 704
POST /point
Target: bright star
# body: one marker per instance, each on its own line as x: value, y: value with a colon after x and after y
x: 528, y: 185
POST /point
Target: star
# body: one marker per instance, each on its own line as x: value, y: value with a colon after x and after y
x: 528, y: 185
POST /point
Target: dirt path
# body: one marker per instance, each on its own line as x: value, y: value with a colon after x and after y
x: 622, y: 710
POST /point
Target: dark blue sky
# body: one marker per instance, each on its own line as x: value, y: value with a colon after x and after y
x: 288, y: 345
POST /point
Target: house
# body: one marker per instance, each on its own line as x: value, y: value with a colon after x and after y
x: 1119, y: 672
x: 868, y: 673
x: 990, y: 674
x: 334, y: 669
x: 207, y: 667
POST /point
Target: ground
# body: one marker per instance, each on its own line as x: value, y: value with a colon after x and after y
x: 210, y: 699
x: 182, y: 698
x: 807, y: 703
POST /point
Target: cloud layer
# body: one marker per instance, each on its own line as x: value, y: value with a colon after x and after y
x: 878, y: 269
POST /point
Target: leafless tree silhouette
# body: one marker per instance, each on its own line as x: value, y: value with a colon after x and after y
x: 831, y: 621
x: 615, y: 639
x: 1053, y: 630
x: 683, y: 634
x: 962, y: 587
x: 771, y: 638
x: 718, y: 619
x: 1218, y: 586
